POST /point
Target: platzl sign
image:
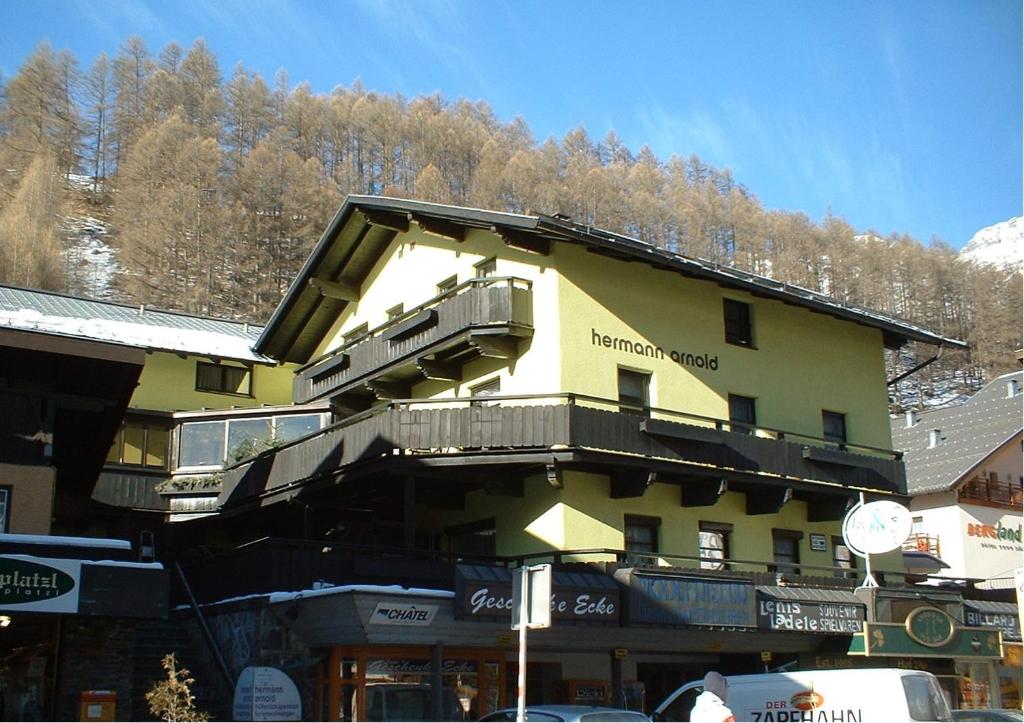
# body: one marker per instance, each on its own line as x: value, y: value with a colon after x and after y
x: 39, y: 584
x: 494, y: 599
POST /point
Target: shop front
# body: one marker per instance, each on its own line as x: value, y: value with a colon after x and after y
x: 1005, y: 617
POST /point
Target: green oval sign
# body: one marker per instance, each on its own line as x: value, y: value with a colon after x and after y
x: 930, y: 626
x: 22, y: 581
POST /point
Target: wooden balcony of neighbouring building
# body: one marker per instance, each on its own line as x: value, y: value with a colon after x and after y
x: 922, y: 542
x: 988, y: 491
x: 481, y: 317
x: 510, y: 437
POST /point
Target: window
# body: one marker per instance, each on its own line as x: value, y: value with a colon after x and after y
x: 490, y: 388
x: 634, y: 392
x: 786, y: 551
x: 641, y: 536
x: 447, y: 285
x: 395, y: 311
x: 842, y: 558
x: 5, y: 508
x: 474, y: 538
x: 294, y: 426
x: 211, y: 444
x: 139, y: 443
x: 358, y: 333
x: 737, y: 323
x: 713, y: 541
x: 833, y: 425
x: 223, y: 379
x: 742, y: 411
x: 486, y: 269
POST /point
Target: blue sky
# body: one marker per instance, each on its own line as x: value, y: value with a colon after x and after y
x: 899, y: 116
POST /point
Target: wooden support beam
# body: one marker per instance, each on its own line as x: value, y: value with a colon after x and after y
x: 386, y: 391
x: 768, y: 501
x: 827, y: 508
x: 439, y: 227
x: 496, y: 347
x: 439, y: 370
x: 521, y: 240
x: 386, y: 219
x: 697, y: 492
x: 334, y: 289
x: 631, y: 483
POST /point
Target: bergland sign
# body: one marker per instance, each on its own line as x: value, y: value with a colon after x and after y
x: 38, y: 584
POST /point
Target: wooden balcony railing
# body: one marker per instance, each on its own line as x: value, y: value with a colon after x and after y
x: 479, y: 317
x: 992, y: 492
x: 921, y: 542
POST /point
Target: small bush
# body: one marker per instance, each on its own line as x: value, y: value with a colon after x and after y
x: 172, y: 700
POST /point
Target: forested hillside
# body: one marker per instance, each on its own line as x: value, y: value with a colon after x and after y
x: 214, y: 187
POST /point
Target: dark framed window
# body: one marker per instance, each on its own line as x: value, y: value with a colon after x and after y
x: 634, y: 392
x: 490, y: 388
x: 358, y: 333
x: 395, y: 311
x: 473, y: 538
x: 641, y: 535
x: 843, y: 558
x: 713, y: 542
x: 223, y: 379
x: 142, y: 444
x: 447, y: 285
x: 6, y: 492
x: 786, y: 551
x: 742, y: 410
x: 738, y: 328
x: 487, y: 268
x: 833, y: 425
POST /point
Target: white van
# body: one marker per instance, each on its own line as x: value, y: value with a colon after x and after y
x: 822, y: 696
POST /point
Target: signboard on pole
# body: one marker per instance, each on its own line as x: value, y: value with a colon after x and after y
x: 266, y: 694
x: 537, y: 597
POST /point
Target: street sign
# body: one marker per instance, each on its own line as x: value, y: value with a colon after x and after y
x: 537, y: 597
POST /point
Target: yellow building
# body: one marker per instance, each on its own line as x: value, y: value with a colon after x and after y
x: 681, y: 440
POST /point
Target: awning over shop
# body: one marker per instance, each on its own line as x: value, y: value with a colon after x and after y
x: 809, y: 610
x: 992, y: 613
x: 485, y: 591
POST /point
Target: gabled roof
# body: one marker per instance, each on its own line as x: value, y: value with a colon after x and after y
x: 69, y: 316
x: 364, y: 226
x: 970, y: 433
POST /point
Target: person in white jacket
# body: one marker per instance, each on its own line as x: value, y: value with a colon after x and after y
x: 710, y: 705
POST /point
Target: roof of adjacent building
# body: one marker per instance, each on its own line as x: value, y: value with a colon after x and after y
x: 969, y: 433
x: 137, y: 326
x: 348, y: 248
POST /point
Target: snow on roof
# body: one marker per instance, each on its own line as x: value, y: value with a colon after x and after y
x: 105, y: 542
x: 29, y: 310
x: 281, y: 597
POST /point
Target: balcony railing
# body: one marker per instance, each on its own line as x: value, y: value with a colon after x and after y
x: 992, y: 492
x: 921, y: 542
x: 479, y: 317
x: 568, y: 424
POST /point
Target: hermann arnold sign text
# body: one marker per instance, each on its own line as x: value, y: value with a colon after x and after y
x: 700, y: 360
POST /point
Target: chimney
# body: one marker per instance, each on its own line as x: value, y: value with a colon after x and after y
x: 935, y: 438
x: 912, y: 418
x: 1012, y: 388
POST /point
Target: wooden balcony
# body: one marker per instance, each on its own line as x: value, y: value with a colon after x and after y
x: 482, y: 317
x: 567, y: 431
x: 921, y: 542
x: 986, y: 491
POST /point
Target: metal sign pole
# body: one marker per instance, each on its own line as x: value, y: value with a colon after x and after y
x: 524, y: 607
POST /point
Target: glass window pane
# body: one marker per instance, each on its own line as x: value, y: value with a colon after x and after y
x: 156, y: 448
x: 236, y: 380
x: 5, y: 508
x: 208, y: 377
x: 247, y: 437
x: 712, y: 544
x: 295, y: 426
x: 134, y: 441
x: 202, y: 444
x: 114, y: 454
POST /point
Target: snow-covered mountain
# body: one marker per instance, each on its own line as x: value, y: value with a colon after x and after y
x: 1001, y: 245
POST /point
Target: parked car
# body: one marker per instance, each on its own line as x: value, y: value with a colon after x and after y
x: 590, y: 713
x: 989, y: 714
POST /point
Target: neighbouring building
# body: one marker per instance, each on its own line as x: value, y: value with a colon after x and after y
x: 964, y: 475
